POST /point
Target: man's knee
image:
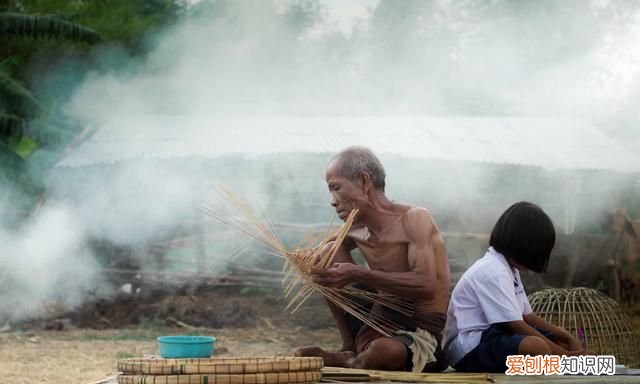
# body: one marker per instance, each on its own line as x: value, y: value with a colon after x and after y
x: 385, y: 354
x: 533, y: 345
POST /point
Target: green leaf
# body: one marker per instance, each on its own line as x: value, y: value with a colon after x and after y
x: 26, y: 146
x: 11, y: 126
x: 9, y: 158
x: 11, y: 87
x: 16, y: 25
x: 48, y: 133
x: 13, y: 169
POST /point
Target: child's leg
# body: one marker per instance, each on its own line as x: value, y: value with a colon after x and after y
x: 497, y: 343
x: 533, y: 345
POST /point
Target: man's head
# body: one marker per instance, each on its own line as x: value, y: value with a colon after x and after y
x: 525, y: 235
x: 351, y: 176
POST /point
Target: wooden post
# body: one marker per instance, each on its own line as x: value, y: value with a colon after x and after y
x: 200, y: 246
x: 613, y: 280
x: 573, y: 187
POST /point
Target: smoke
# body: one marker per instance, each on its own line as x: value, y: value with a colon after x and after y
x: 306, y: 58
x: 47, y: 266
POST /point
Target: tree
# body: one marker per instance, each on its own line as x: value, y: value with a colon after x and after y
x: 20, y: 131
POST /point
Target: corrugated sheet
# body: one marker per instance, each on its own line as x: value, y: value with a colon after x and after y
x: 544, y: 142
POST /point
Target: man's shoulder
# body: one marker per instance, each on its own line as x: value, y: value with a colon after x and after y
x: 417, y: 221
x: 416, y: 212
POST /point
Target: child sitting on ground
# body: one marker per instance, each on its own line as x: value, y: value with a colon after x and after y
x: 489, y: 316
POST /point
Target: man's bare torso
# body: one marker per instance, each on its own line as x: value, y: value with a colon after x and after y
x: 387, y: 251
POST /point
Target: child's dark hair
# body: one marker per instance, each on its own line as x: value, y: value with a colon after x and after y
x: 525, y: 234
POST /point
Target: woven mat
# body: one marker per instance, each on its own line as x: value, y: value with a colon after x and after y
x: 226, y: 365
x: 301, y: 377
x: 366, y: 375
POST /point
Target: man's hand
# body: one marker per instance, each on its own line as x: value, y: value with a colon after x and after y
x: 338, y: 275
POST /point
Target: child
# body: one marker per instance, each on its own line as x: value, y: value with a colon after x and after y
x: 489, y: 316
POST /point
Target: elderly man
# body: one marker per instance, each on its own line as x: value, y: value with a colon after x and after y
x: 406, y: 257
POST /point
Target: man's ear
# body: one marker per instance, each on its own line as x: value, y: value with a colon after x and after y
x: 365, y: 182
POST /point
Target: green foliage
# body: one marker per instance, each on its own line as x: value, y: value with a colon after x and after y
x: 25, y: 124
x: 126, y: 22
x: 20, y: 26
x: 11, y: 126
x: 26, y: 146
x: 15, y: 93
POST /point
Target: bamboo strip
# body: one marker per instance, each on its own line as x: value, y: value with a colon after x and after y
x: 303, y: 260
x: 336, y: 373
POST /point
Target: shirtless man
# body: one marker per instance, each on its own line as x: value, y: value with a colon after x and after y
x: 406, y: 257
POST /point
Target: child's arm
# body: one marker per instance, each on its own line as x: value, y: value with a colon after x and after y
x: 559, y: 334
x: 521, y: 327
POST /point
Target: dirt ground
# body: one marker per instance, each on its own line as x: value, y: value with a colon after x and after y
x: 83, y: 356
x: 83, y: 346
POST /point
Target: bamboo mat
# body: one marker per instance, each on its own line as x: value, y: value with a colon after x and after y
x: 226, y: 365
x: 334, y: 374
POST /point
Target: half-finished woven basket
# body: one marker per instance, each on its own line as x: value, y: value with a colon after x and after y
x: 300, y: 377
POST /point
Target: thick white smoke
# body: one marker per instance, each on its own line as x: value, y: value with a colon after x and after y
x: 263, y: 58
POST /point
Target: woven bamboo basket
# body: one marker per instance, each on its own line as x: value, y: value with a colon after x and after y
x: 226, y: 370
x: 225, y: 365
x: 299, y: 377
x: 607, y: 329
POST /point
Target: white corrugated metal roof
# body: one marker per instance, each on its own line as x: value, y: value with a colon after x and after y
x: 550, y: 143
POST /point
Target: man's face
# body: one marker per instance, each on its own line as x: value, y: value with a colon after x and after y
x: 345, y: 194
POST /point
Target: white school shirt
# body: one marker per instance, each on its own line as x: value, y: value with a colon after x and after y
x: 489, y: 292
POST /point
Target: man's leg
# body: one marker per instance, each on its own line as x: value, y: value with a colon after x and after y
x: 382, y: 354
x: 385, y: 354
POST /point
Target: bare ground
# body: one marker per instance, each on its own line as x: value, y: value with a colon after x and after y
x: 84, y: 345
x: 243, y: 323
x: 83, y: 356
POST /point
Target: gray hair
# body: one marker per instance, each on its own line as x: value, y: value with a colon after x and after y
x: 352, y: 161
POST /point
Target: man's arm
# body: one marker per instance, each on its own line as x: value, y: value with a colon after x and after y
x: 418, y: 283
x: 343, y: 256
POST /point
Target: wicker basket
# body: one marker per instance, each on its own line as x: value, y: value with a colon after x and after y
x: 226, y: 370
x: 301, y: 377
x: 606, y: 328
x: 217, y: 365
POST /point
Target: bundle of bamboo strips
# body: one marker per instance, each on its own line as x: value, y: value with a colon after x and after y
x: 314, y: 253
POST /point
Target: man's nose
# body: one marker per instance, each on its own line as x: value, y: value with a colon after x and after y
x: 333, y: 201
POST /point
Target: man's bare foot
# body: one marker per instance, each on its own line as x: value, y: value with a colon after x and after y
x: 331, y: 359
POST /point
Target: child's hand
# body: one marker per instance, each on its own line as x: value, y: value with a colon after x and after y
x: 574, y: 344
x: 579, y: 352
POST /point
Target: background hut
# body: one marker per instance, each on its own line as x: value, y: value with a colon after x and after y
x: 145, y: 175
